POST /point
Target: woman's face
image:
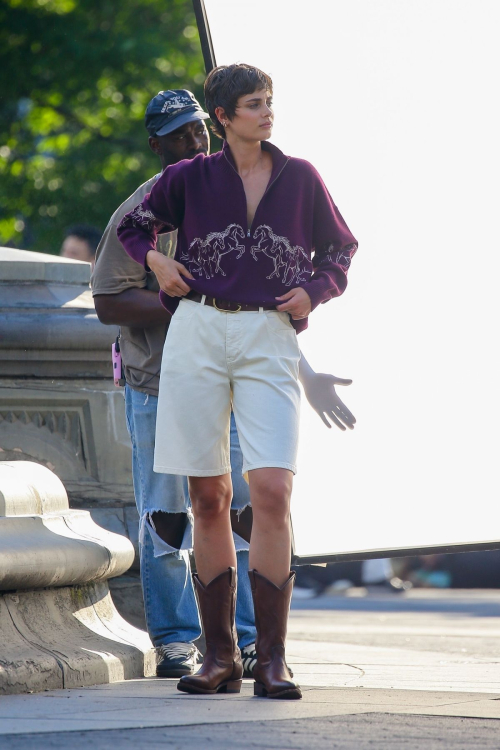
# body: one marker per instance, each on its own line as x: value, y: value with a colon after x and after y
x: 254, y: 116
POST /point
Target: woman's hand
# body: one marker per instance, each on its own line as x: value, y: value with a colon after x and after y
x: 169, y: 274
x: 296, y: 302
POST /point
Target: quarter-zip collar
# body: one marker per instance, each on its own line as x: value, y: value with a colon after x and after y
x: 279, y: 163
x: 279, y: 159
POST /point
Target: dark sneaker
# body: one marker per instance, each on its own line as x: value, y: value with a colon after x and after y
x: 249, y: 659
x: 176, y: 659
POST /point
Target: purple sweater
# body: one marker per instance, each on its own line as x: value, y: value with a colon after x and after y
x: 297, y: 237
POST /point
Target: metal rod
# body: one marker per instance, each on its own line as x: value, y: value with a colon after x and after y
x: 373, y: 554
x: 207, y: 47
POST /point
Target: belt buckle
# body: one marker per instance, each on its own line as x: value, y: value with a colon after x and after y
x: 223, y: 309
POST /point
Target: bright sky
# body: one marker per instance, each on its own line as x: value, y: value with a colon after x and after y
x: 396, y: 104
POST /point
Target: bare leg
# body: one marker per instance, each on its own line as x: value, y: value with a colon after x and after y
x: 270, y: 546
x: 213, y: 538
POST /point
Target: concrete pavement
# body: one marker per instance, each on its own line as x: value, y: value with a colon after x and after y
x: 418, y: 670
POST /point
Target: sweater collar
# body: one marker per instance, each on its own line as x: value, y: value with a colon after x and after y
x: 279, y: 158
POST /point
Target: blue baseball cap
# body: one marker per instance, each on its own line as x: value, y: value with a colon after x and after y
x: 171, y: 109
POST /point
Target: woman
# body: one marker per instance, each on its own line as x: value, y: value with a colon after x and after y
x: 249, y: 220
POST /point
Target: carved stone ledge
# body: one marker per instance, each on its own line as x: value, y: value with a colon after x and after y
x: 58, y: 405
x: 58, y: 624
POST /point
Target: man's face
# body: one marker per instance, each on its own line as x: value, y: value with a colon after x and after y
x: 184, y: 143
x: 77, y: 249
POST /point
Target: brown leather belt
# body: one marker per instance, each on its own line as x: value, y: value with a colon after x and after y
x: 224, y: 306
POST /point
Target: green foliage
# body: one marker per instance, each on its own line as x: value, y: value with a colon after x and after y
x: 80, y: 73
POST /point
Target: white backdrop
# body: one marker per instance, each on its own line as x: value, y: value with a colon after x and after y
x: 395, y: 103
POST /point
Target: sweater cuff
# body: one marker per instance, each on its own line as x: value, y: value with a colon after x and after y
x: 140, y: 251
x: 137, y: 247
x: 319, y: 292
x: 324, y: 288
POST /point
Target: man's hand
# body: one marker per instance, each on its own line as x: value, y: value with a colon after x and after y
x: 296, y: 302
x: 169, y: 274
x: 321, y: 394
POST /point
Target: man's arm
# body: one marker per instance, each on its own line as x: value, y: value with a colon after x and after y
x: 320, y: 392
x: 132, y: 308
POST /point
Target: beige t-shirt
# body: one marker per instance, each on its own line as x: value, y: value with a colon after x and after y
x: 114, y: 272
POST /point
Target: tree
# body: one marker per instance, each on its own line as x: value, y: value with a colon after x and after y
x: 80, y: 73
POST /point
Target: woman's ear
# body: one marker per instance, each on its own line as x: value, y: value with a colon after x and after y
x: 221, y: 116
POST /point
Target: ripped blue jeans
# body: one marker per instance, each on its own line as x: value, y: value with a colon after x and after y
x: 169, y: 600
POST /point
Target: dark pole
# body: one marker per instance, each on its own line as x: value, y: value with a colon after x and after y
x: 204, y: 30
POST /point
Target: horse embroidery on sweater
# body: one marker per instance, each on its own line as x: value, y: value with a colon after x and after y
x: 144, y: 218
x: 290, y: 260
x: 204, y: 256
x: 343, y: 257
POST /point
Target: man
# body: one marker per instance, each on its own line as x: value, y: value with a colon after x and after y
x: 126, y: 295
x: 80, y: 243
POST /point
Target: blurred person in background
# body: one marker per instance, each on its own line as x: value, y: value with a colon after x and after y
x: 459, y: 570
x: 80, y: 243
x: 376, y: 576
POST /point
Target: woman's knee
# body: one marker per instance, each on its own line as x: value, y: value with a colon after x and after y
x: 271, y: 498
x: 210, y: 497
x: 272, y: 512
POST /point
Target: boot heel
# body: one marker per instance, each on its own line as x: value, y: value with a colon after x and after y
x: 234, y: 686
x: 259, y: 689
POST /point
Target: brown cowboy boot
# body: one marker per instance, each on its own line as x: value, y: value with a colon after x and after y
x: 272, y: 605
x: 222, y: 669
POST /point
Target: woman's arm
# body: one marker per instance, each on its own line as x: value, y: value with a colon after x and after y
x: 161, y: 210
x: 334, y: 247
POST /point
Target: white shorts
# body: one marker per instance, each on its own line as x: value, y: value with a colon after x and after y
x: 214, y: 361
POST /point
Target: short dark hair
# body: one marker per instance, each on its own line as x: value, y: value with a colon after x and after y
x: 87, y: 232
x: 224, y: 86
